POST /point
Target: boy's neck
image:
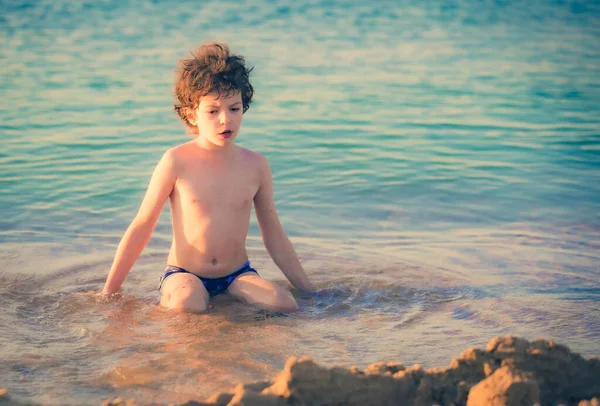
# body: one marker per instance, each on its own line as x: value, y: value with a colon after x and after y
x: 216, y: 150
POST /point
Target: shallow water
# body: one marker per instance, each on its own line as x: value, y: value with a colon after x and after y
x: 436, y: 166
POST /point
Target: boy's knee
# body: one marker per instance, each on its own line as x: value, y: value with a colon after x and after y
x: 187, y: 301
x: 285, y: 302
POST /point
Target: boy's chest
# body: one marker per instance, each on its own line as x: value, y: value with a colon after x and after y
x: 208, y: 189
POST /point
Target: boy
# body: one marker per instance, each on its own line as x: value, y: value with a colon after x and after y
x: 211, y: 184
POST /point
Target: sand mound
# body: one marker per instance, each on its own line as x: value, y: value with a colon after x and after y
x: 510, y: 371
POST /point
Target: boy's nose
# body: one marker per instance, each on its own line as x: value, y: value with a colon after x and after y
x: 225, y: 118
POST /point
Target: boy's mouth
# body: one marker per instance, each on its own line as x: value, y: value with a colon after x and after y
x: 226, y: 133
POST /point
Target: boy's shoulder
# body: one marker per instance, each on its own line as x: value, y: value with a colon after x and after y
x: 181, y: 149
x: 255, y: 160
x: 251, y: 155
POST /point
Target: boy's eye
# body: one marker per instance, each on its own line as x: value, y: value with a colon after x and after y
x: 235, y: 109
x: 212, y: 111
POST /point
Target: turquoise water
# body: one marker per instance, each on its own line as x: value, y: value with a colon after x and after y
x: 436, y: 164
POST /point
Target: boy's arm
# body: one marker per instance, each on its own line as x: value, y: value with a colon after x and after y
x: 276, y: 241
x: 138, y: 234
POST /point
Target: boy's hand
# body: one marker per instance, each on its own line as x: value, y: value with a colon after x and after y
x: 310, y: 289
x: 98, y: 297
x: 109, y: 294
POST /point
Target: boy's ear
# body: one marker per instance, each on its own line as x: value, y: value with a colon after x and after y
x: 190, y: 115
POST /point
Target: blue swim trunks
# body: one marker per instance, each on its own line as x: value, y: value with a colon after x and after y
x: 214, y: 286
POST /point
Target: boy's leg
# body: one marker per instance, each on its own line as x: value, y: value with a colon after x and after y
x: 184, y: 291
x: 262, y: 293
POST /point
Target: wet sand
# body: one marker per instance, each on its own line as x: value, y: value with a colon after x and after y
x: 509, y: 371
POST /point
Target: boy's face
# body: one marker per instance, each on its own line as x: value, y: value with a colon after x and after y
x: 218, y: 118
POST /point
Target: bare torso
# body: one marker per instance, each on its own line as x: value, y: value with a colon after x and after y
x: 211, y: 204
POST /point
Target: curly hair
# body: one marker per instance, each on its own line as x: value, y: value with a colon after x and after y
x: 210, y: 69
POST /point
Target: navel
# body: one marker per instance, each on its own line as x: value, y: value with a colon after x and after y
x: 214, y: 261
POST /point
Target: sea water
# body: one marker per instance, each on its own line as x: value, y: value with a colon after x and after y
x: 436, y: 165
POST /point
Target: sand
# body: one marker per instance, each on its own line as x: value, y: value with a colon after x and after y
x: 510, y: 371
